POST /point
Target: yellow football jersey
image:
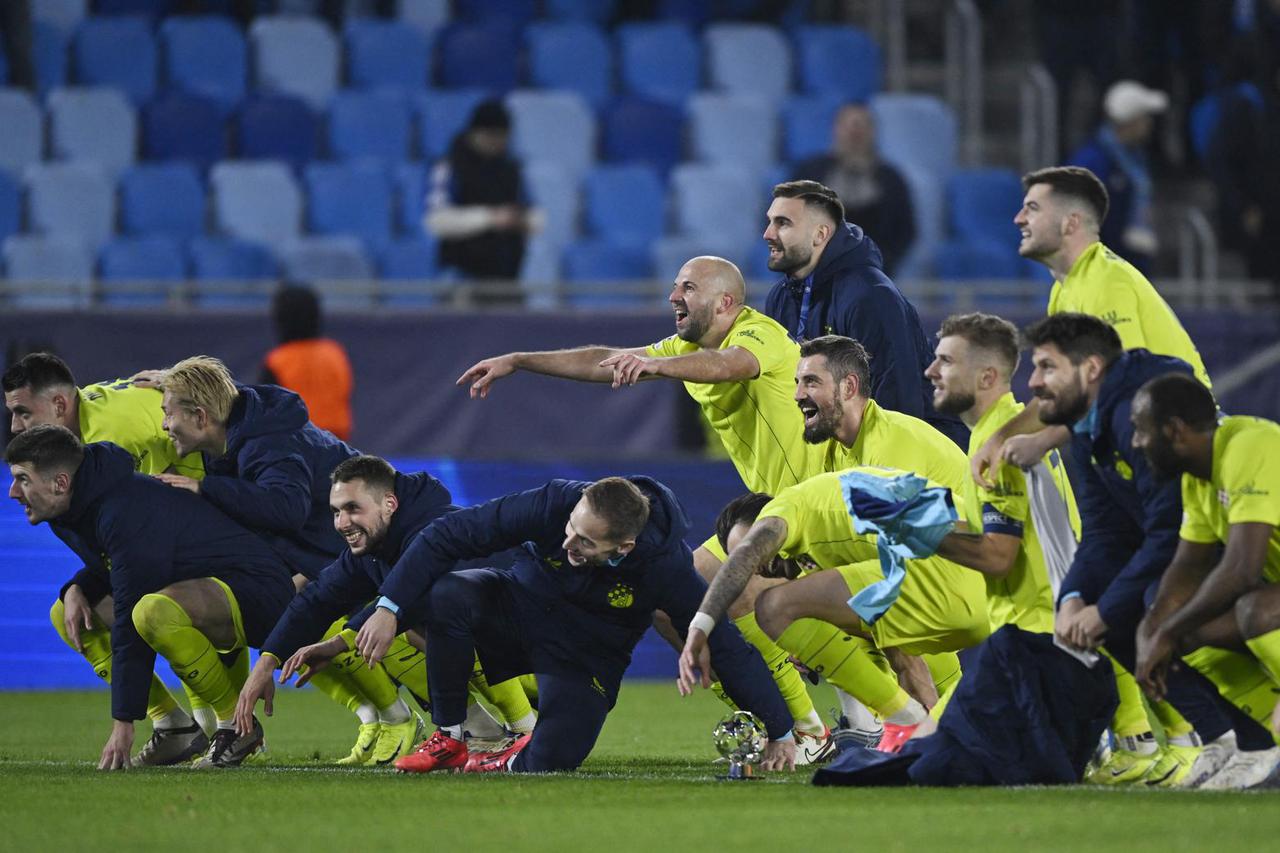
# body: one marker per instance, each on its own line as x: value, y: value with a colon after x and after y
x: 888, y: 439
x: 130, y: 417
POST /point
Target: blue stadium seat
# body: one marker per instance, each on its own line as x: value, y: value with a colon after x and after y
x: 625, y: 205
x: 295, y: 56
x: 369, y: 124
x: 10, y: 206
x: 927, y: 199
x: 184, y: 127
x: 513, y: 13
x: 49, y: 55
x: 806, y: 125
x: 959, y: 260
x: 838, y: 60
x: 748, y: 59
x: 599, y: 12
x: 669, y: 254
x: 717, y: 202
x: 734, y: 130
x: 387, y: 55
x: 637, y: 130
x: 460, y: 44
x: 981, y: 204
x: 277, y: 128
x: 71, y: 200
x: 662, y: 61
x: 47, y: 271
x: 1206, y: 114
x: 94, y: 126
x: 442, y: 114
x: 411, y: 196
x: 349, y: 198
x: 605, y: 264
x: 66, y: 15
x: 229, y: 259
x: 918, y: 131
x: 426, y: 16
x: 693, y: 13
x: 258, y: 201
x: 574, y: 55
x: 206, y: 56
x: 162, y: 198
x: 22, y: 141
x: 554, y: 189
x: 150, y: 9
x: 140, y: 270
x: 554, y: 127
x: 337, y: 267
x: 117, y: 52
x: 403, y: 266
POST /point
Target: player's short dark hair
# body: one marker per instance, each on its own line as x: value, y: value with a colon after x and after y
x: 624, y: 508
x: 1078, y: 336
x: 47, y: 448
x: 987, y: 332
x: 1074, y: 182
x: 814, y: 194
x: 1182, y: 396
x: 38, y: 371
x: 845, y: 357
x: 295, y: 311
x: 374, y: 471
x: 744, y: 509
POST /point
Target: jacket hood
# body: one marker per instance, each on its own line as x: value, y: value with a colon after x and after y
x: 1130, y: 372
x: 263, y: 410
x: 422, y: 499
x: 848, y: 249
x: 105, y: 467
x: 668, y: 523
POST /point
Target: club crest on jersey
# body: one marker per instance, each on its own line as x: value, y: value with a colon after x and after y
x: 1224, y: 497
x: 622, y: 596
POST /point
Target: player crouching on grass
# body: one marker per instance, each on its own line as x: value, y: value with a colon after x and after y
x: 187, y: 582
x: 595, y: 561
x: 378, y: 511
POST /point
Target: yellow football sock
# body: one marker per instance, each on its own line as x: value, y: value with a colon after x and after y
x: 166, y: 627
x: 1241, y: 678
x: 790, y: 683
x: 407, y: 666
x: 529, y: 684
x: 945, y: 669
x: 1266, y: 648
x: 851, y: 663
x: 361, y: 680
x: 508, y: 697
x: 96, y: 645
x: 1131, y: 717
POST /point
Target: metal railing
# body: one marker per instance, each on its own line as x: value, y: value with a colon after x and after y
x: 964, y: 74
x: 1198, y: 257
x: 1038, y: 119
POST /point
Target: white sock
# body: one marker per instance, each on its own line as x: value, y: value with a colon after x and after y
x: 860, y: 717
x: 911, y: 715
x: 525, y: 724
x: 367, y: 714
x: 206, y: 718
x: 175, y: 719
x: 454, y: 732
x: 481, y: 724
x: 811, y: 724
x: 226, y: 725
x: 1189, y: 739
x: 395, y: 713
x: 1141, y: 744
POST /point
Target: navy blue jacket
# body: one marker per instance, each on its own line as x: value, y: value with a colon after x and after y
x: 274, y: 476
x: 590, y: 617
x: 852, y: 296
x: 1129, y: 517
x: 153, y: 535
x: 353, y: 581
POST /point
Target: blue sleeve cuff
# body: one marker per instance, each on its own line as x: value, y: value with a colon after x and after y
x: 784, y: 738
x: 387, y: 604
x: 1069, y: 596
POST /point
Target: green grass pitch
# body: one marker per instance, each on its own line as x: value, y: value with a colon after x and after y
x: 648, y: 786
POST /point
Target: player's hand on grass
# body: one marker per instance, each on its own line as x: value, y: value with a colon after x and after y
x: 483, y: 374
x: 628, y: 368
x: 147, y: 378
x: 115, y: 755
x: 312, y: 659
x: 179, y: 482
x: 376, y: 635
x: 76, y: 613
x: 779, y: 755
x: 695, y: 662
x: 258, y: 686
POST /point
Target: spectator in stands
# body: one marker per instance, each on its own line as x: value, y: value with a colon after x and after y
x: 1116, y: 154
x: 476, y: 206
x: 315, y: 367
x: 873, y: 192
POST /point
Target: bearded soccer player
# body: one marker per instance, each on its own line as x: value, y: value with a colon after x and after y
x: 1221, y: 588
x: 186, y: 582
x: 40, y: 389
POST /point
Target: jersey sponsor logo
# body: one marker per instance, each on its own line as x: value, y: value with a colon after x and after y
x: 1111, y: 318
x: 1249, y: 490
x: 995, y: 517
x: 1002, y: 491
x: 750, y: 333
x: 622, y: 595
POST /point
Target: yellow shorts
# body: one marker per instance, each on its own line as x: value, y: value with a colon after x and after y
x: 942, y: 607
x: 713, y: 545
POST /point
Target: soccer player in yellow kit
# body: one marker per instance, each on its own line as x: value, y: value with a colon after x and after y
x: 40, y: 389
x: 1223, y: 587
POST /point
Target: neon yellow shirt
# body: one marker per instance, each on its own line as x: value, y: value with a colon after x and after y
x: 129, y: 416
x: 756, y: 419
x: 1245, y: 487
x: 1024, y: 597
x: 888, y: 439
x: 1105, y: 285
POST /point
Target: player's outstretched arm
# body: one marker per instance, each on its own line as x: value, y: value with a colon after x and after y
x: 257, y: 687
x: 582, y: 364
x: 734, y: 364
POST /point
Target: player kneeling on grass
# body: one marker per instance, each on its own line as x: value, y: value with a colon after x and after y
x: 377, y: 511
x: 186, y: 581
x: 595, y: 561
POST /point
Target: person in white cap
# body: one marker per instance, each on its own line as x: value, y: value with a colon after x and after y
x: 1117, y: 155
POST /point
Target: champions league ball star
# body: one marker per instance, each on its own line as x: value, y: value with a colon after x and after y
x: 740, y: 738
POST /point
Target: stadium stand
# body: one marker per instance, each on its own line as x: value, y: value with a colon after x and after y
x: 119, y: 52
x: 22, y: 141
x: 93, y: 126
x: 184, y: 127
x: 277, y: 127
x: 748, y: 59
x: 662, y: 61
x: 257, y: 201
x: 295, y: 56
x: 206, y: 56
x: 386, y: 55
x: 71, y: 200
x: 375, y: 125
x: 574, y: 56
x: 162, y: 199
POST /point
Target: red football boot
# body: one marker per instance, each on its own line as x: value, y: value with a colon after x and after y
x: 438, y: 752
x: 498, y: 761
x: 895, y: 737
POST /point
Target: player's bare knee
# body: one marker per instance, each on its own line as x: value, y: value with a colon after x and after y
x: 772, y: 613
